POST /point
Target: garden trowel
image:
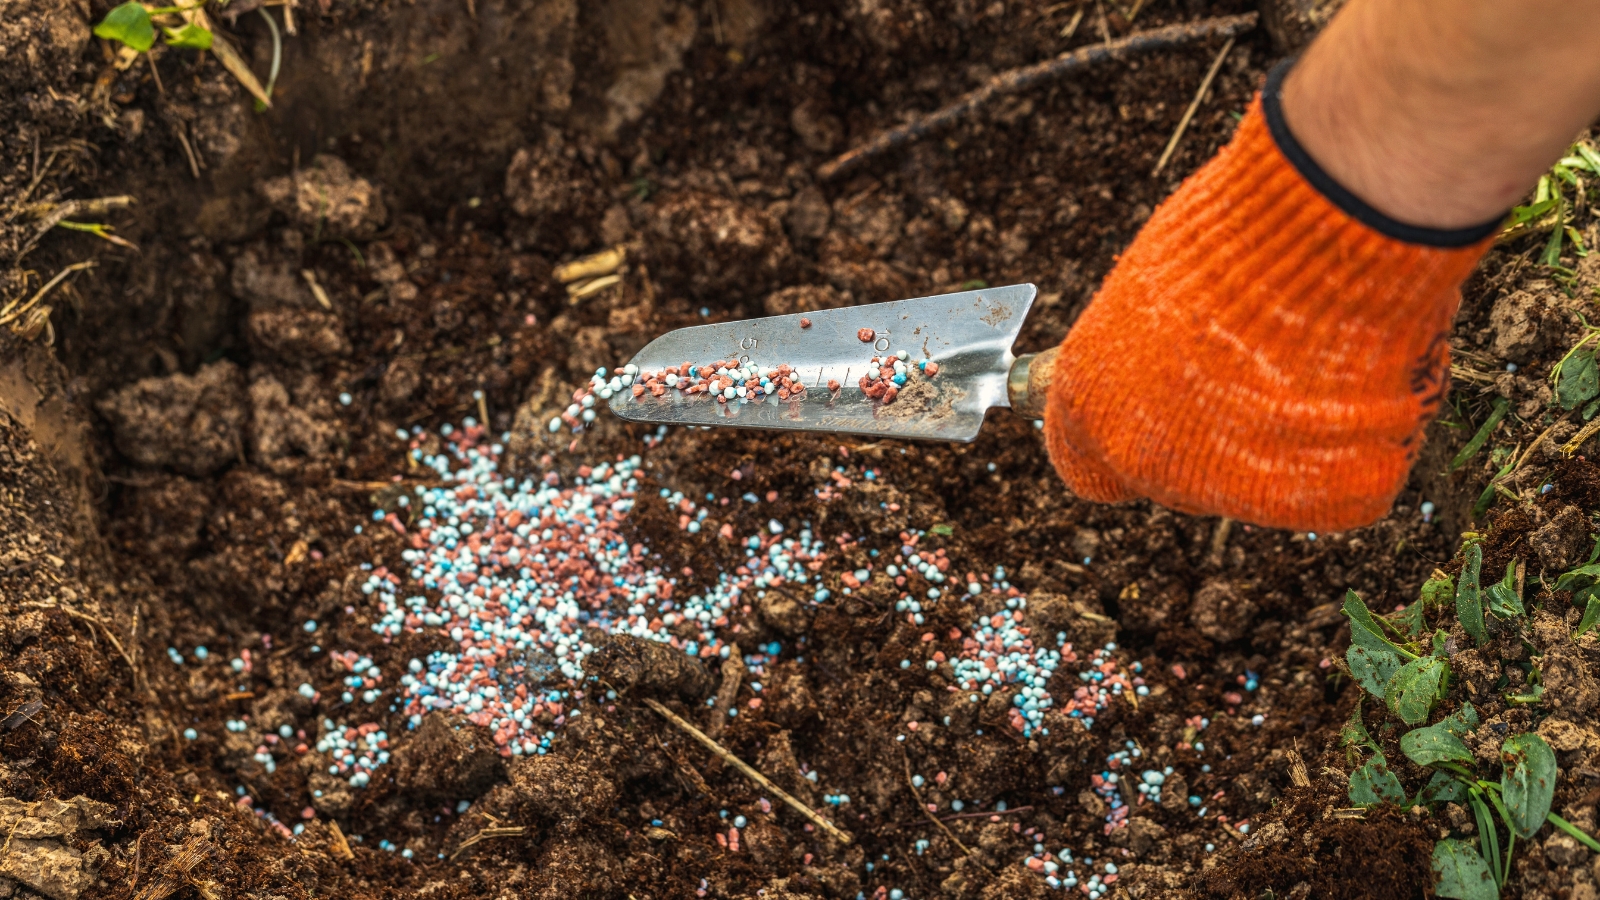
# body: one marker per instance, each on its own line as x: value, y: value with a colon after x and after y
x: 964, y: 338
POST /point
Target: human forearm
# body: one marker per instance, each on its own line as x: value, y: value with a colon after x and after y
x: 1442, y: 114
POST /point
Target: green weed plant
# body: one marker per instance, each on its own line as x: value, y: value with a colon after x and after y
x: 1399, y: 661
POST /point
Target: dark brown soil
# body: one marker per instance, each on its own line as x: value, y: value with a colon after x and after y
x: 177, y: 469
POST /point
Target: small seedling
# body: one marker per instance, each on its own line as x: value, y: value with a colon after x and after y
x: 1395, y: 659
x: 1584, y: 583
x: 132, y: 23
x: 1501, y: 406
x: 1551, y: 210
x: 99, y: 230
x: 1405, y: 679
x: 1576, y: 376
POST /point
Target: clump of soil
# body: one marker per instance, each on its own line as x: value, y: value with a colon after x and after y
x: 923, y: 398
x: 188, y: 464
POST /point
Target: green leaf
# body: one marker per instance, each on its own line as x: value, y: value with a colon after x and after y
x: 1372, y: 668
x: 1365, y: 630
x: 1438, y: 590
x: 1521, y: 215
x: 1373, y: 783
x: 1589, y: 157
x: 1498, y: 412
x: 1354, y: 734
x: 1532, y: 695
x: 1410, y: 620
x: 1469, y: 603
x: 1579, y: 381
x: 944, y: 530
x: 1502, y: 599
x: 1591, y: 615
x: 1461, y: 722
x: 1463, y: 875
x: 1575, y: 831
x: 1373, y: 658
x: 1569, y: 581
x: 1434, y: 744
x: 1413, y: 689
x: 130, y: 24
x: 1552, y: 256
x: 1529, y: 782
x: 1443, y: 787
x: 1486, y: 499
x: 1589, y: 410
x: 1488, y: 832
x: 189, y: 37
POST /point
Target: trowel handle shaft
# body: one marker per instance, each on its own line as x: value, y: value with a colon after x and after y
x: 1028, y: 385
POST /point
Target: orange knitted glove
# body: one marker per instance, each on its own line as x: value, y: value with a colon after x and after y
x: 1269, y: 348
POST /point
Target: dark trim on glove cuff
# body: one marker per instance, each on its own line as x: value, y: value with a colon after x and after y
x: 1338, y: 195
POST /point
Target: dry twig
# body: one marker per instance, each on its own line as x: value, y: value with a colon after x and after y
x: 923, y: 807
x: 12, y: 312
x: 1071, y: 28
x: 1584, y: 433
x: 1297, y: 768
x: 188, y: 152
x: 344, y: 485
x: 38, y: 176
x: 179, y: 873
x: 1521, y: 460
x: 1219, y: 541
x: 1016, y: 80
x: 50, y: 221
x: 97, y: 206
x: 732, y: 676
x: 316, y: 288
x: 6, y: 850
x: 749, y: 772
x: 1194, y: 105
x: 595, y: 264
x: 155, y: 72
x: 225, y: 53
x: 493, y: 831
x: 340, y: 844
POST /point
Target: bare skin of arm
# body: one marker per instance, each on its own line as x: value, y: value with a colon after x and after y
x: 1442, y: 114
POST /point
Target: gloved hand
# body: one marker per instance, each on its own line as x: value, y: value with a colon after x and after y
x: 1269, y: 348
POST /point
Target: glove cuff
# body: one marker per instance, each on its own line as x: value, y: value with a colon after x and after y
x: 1339, y: 195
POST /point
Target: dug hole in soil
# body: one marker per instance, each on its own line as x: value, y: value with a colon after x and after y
x: 330, y: 299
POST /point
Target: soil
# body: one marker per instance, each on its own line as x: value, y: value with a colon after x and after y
x: 187, y: 450
x: 923, y: 398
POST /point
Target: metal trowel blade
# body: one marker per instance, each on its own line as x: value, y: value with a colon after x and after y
x: 968, y: 334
